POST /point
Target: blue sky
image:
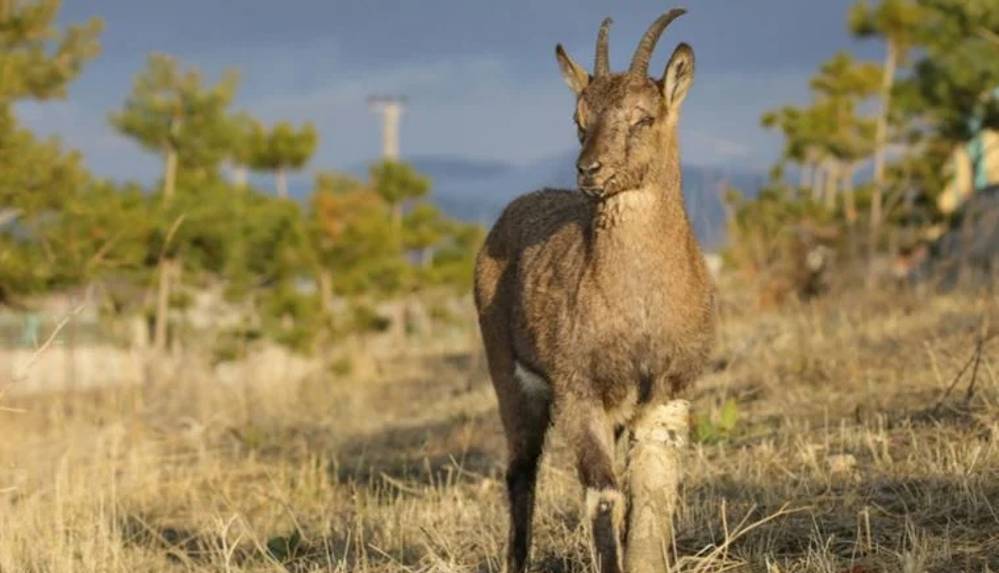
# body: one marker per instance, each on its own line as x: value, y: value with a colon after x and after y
x: 480, y: 77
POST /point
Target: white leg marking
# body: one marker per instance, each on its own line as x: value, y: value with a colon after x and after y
x: 602, y: 499
x: 531, y: 382
x: 655, y: 469
x: 667, y: 424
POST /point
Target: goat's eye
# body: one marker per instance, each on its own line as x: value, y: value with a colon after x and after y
x: 645, y: 121
x: 580, y: 133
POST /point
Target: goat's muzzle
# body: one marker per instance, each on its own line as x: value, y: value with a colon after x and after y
x: 594, y: 193
x: 595, y: 187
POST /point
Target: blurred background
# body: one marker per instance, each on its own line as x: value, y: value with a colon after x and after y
x: 222, y: 220
x: 285, y: 174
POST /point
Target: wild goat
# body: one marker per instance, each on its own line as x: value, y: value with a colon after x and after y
x: 597, y: 310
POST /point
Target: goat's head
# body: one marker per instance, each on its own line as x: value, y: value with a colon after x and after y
x: 626, y: 121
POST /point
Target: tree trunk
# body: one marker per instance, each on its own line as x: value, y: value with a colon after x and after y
x: 160, y: 331
x: 881, y: 144
x: 803, y: 176
x: 166, y: 264
x: 169, y: 174
x: 174, y: 343
x: 833, y: 172
x: 817, y: 173
x: 397, y: 326
x: 281, y: 180
x: 849, y: 201
x: 240, y: 176
x: 397, y: 215
x: 71, y: 344
x: 325, y: 277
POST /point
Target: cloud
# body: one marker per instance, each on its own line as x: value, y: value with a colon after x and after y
x: 472, y: 106
x: 461, y: 106
x: 479, y: 77
x: 479, y: 107
x: 724, y: 148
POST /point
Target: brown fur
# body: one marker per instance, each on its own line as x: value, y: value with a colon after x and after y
x: 603, y: 294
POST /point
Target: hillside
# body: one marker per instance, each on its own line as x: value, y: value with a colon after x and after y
x: 478, y: 190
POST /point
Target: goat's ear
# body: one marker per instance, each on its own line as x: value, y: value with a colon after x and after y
x: 678, y: 77
x: 573, y: 73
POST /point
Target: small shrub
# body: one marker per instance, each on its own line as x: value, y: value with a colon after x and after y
x: 715, y: 429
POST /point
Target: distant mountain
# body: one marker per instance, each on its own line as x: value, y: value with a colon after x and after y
x: 459, y: 167
x: 704, y: 188
x: 477, y: 191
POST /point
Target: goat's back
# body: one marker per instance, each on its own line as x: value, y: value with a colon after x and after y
x: 535, y: 219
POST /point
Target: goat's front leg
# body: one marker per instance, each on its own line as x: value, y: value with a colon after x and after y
x: 661, y: 433
x: 591, y: 436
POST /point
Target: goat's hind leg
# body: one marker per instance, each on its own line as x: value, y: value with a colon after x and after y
x: 525, y: 409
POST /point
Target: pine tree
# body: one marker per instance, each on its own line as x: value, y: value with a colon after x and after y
x: 281, y: 149
x: 897, y: 21
x: 37, y: 179
x: 263, y: 254
x: 956, y: 83
x: 398, y: 183
x: 842, y: 84
x: 356, y: 244
x: 171, y: 113
x: 423, y: 228
x: 454, y: 259
x: 245, y: 139
x: 37, y: 61
x: 949, y: 93
x: 829, y: 138
x: 948, y: 100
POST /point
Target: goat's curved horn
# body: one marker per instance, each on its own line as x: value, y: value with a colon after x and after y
x: 602, y: 66
x: 640, y: 61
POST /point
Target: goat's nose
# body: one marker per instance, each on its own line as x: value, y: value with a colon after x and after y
x: 588, y: 169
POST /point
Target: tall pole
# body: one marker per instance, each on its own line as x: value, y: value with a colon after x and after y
x: 390, y: 130
x: 390, y: 109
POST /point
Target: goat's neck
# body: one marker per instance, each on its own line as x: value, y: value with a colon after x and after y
x: 637, y: 235
x: 650, y: 220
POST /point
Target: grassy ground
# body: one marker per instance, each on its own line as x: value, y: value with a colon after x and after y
x: 848, y: 455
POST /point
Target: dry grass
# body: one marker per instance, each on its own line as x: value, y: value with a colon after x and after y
x: 840, y: 461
